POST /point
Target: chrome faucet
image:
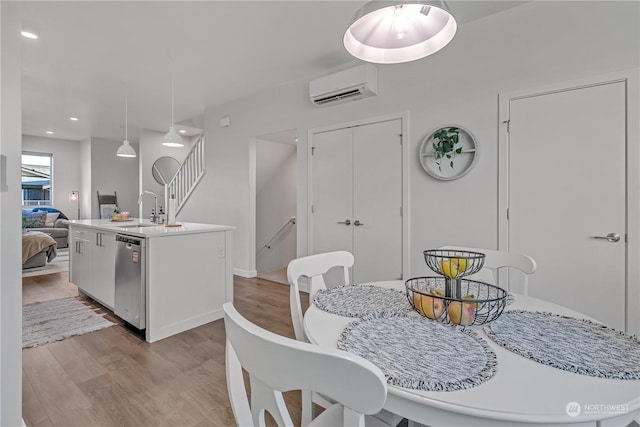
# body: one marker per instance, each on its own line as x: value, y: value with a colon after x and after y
x: 154, y: 216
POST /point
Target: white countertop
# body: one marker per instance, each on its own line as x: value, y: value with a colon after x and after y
x: 144, y: 228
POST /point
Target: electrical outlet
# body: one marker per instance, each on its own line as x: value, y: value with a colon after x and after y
x: 220, y: 252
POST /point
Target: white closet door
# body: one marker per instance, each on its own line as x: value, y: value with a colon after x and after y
x: 332, y: 191
x: 377, y: 197
x: 567, y: 185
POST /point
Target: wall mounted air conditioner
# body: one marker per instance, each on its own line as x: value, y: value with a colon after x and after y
x: 347, y: 85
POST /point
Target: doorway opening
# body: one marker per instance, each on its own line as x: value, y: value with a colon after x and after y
x: 276, y: 204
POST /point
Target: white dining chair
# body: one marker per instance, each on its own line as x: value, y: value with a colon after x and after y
x: 494, y: 261
x: 277, y: 364
x: 313, y: 267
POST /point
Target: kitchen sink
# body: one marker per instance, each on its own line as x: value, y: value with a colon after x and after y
x: 137, y: 225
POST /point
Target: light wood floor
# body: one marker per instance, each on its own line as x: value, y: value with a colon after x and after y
x: 112, y: 378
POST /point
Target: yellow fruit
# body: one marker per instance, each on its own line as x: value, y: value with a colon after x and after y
x: 432, y: 307
x: 417, y: 303
x: 475, y: 304
x: 461, y: 313
x: 461, y: 263
x: 449, y: 268
x: 437, y: 292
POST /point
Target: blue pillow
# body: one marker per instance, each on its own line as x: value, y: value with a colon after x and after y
x: 50, y: 210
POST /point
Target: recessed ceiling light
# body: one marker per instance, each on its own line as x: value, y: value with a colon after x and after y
x: 49, y: 132
x: 29, y: 34
x: 182, y: 131
x: 73, y: 119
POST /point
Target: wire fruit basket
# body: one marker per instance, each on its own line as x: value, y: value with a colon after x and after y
x: 450, y: 298
x: 480, y: 304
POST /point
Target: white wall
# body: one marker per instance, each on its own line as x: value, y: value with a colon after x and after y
x: 10, y: 281
x: 276, y: 203
x: 111, y: 173
x: 460, y: 84
x: 151, y: 149
x: 85, y: 179
x: 66, y: 174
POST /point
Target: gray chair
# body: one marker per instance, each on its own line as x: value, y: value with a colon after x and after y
x: 107, y: 203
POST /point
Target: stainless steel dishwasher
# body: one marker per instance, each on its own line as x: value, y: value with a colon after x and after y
x: 130, y: 293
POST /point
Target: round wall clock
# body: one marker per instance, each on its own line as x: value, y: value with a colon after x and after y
x: 449, y: 152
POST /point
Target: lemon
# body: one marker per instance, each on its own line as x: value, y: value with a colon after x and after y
x: 449, y: 268
x: 461, y: 263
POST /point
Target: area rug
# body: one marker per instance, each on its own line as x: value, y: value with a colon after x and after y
x: 55, y: 320
x: 59, y: 264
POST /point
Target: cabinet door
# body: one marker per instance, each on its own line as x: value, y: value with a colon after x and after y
x: 103, y: 264
x: 80, y: 260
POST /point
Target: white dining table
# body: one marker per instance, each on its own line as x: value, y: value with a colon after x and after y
x: 522, y: 392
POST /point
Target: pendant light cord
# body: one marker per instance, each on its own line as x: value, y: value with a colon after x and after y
x: 172, y: 97
x: 126, y: 114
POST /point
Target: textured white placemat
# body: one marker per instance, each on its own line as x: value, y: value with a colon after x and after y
x: 418, y: 353
x: 361, y: 300
x: 567, y: 343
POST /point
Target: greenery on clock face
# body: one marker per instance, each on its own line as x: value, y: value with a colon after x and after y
x: 444, y: 145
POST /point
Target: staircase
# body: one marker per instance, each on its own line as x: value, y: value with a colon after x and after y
x: 188, y: 176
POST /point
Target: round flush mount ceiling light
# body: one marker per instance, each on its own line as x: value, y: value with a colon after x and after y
x: 391, y: 32
x: 73, y: 119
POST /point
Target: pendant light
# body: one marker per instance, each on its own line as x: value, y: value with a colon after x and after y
x: 126, y: 150
x: 172, y: 138
x: 391, y: 32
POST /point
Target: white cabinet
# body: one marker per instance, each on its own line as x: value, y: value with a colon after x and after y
x: 103, y: 267
x: 80, y: 259
x: 188, y: 274
x: 93, y: 260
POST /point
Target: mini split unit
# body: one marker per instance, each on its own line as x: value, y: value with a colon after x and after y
x: 348, y: 85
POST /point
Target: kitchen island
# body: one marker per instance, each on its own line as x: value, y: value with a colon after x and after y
x: 185, y: 272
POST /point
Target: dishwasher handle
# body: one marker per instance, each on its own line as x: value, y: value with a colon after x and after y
x: 129, y: 240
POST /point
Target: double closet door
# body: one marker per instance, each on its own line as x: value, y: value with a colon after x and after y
x: 357, y: 197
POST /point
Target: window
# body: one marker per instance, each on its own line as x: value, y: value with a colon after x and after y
x: 36, y: 179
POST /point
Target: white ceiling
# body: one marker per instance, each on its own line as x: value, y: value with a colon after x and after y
x: 90, y: 51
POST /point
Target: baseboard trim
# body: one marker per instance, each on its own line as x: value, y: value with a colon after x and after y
x: 245, y: 273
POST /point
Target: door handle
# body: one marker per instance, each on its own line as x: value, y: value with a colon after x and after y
x: 345, y: 222
x: 611, y: 237
x: 357, y: 223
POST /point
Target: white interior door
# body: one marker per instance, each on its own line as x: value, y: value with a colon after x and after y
x: 567, y: 185
x: 377, y: 197
x: 332, y: 191
x: 357, y: 176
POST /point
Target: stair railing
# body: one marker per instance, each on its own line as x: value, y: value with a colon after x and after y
x: 188, y: 176
x: 267, y: 244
